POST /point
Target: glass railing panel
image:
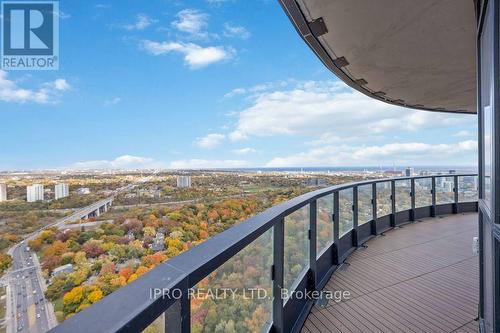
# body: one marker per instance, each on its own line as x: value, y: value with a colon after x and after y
x: 324, y: 223
x: 296, y: 260
x: 157, y: 326
x: 444, y: 190
x: 467, y: 189
x: 345, y: 211
x: 365, y: 205
x: 403, y: 195
x: 384, y: 203
x: 423, y: 192
x: 242, y: 286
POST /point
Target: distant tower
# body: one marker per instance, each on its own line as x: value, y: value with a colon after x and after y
x: 3, y: 192
x: 61, y: 191
x: 183, y: 181
x: 34, y: 193
x: 409, y: 172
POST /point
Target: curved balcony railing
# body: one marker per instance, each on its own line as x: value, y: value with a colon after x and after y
x: 250, y: 277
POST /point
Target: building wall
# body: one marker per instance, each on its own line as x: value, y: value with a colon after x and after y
x: 34, y: 193
x: 183, y: 181
x: 61, y: 191
x: 3, y: 192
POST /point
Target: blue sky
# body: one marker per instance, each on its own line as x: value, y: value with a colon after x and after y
x: 208, y: 83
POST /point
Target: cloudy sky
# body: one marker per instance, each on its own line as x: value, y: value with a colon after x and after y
x: 205, y: 84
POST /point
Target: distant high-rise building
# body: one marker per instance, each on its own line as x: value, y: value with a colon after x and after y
x: 34, y: 193
x: 183, y: 181
x: 3, y: 192
x: 448, y: 186
x: 452, y: 172
x: 409, y: 172
x: 61, y: 191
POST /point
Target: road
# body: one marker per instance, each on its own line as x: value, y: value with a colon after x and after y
x: 29, y: 310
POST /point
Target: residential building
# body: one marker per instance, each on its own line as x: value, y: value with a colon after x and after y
x: 83, y: 190
x: 158, y: 242
x: 3, y: 192
x: 65, y: 269
x: 34, y: 193
x: 61, y: 191
x: 183, y: 181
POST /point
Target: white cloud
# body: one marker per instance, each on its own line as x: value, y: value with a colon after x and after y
x: 210, y: 141
x: 207, y: 164
x: 463, y: 133
x: 235, y: 92
x: 244, y: 151
x: 321, y: 108
x: 60, y: 84
x: 121, y: 162
x: 195, y: 56
x: 112, y: 101
x: 413, y: 153
x: 142, y: 22
x: 49, y: 92
x: 193, y: 22
x: 236, y: 31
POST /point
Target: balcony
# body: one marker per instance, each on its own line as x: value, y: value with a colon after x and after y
x: 399, y: 247
x: 421, y: 278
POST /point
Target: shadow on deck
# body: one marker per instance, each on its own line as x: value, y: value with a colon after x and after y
x: 419, y: 278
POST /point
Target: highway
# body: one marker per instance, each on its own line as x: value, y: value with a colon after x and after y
x: 29, y: 310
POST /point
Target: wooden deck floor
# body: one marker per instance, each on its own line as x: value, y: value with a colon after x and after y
x: 419, y: 278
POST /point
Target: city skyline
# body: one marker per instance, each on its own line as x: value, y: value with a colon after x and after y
x: 206, y: 91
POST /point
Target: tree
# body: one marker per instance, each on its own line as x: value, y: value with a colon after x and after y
x: 95, y: 296
x: 47, y: 236
x: 35, y: 244
x: 92, y: 248
x: 80, y: 258
x: 57, y: 248
x: 107, y: 268
x: 5, y: 262
x: 72, y: 299
x: 126, y: 272
x: 49, y: 263
x: 149, y: 232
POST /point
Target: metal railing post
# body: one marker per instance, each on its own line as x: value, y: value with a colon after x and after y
x: 173, y: 319
x: 455, y: 194
x: 433, y: 193
x: 355, y: 216
x: 412, y: 198
x: 374, y: 209
x: 312, y: 244
x: 393, y: 203
x: 278, y: 275
x: 336, y: 231
x: 177, y: 317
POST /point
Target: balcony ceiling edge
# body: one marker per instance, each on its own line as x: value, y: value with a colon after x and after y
x: 415, y: 54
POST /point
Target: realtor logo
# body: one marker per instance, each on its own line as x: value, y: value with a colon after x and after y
x: 30, y: 35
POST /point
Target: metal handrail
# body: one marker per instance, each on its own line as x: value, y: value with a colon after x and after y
x: 131, y: 308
